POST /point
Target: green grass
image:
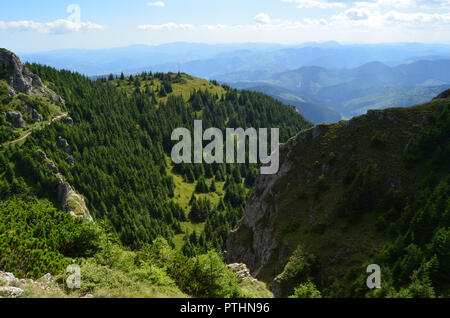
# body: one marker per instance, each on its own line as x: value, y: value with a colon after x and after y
x: 187, y: 85
x: 183, y: 193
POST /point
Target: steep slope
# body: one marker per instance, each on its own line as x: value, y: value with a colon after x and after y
x: 114, y: 150
x: 28, y: 106
x: 110, y: 162
x: 370, y: 190
x: 25, y: 102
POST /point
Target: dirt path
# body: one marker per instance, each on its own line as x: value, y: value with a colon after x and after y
x: 31, y: 131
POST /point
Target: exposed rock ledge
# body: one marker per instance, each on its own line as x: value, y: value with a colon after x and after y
x: 12, y: 287
x: 22, y: 80
x: 241, y: 271
x: 252, y: 242
x: 70, y: 201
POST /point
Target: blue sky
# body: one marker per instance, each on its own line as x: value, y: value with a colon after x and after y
x: 40, y: 25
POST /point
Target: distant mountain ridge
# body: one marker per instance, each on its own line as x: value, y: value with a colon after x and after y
x: 353, y: 91
x: 311, y: 110
x: 210, y: 60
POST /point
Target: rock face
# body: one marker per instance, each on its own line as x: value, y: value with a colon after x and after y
x: 253, y: 242
x: 12, y: 287
x: 71, y: 201
x: 68, y: 121
x: 22, y: 80
x: 38, y: 117
x: 57, y: 99
x: 241, y: 271
x: 16, y: 119
x: 64, y: 145
x: 71, y: 161
x: 8, y: 285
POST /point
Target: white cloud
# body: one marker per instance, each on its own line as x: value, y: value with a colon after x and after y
x: 367, y: 18
x: 156, y: 4
x: 357, y: 13
x: 417, y: 18
x: 262, y: 18
x: 60, y: 26
x: 321, y: 4
x: 170, y: 26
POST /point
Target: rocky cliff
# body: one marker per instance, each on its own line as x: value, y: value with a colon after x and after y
x: 20, y: 78
x: 297, y: 208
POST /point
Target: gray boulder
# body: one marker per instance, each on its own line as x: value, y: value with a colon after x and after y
x: 42, y: 154
x: 68, y: 121
x: 71, y: 161
x: 15, y: 119
x: 64, y: 145
x: 38, y: 117
x: 57, y: 99
x: 21, y: 80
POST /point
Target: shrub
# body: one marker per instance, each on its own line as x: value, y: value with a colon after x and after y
x: 36, y: 238
x: 378, y: 140
x: 306, y: 290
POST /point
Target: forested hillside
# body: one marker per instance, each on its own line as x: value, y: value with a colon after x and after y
x: 372, y: 190
x: 112, y: 158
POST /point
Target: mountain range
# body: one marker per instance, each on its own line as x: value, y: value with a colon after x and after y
x: 325, y: 81
x: 353, y: 91
x: 210, y: 60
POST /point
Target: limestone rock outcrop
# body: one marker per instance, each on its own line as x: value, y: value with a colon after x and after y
x: 71, y: 201
x: 16, y: 119
x: 64, y: 145
x: 38, y: 117
x: 22, y: 80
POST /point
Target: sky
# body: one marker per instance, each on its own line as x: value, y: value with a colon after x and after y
x: 42, y: 25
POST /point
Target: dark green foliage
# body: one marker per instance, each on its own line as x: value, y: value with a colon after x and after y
x: 6, y: 133
x: 213, y: 186
x: 5, y: 71
x: 362, y: 195
x: 297, y: 270
x: 200, y: 210
x: 321, y: 185
x: 167, y: 87
x: 418, y: 254
x: 378, y: 140
x: 432, y: 139
x: 120, y: 144
x: 235, y: 194
x: 201, y: 276
x: 36, y: 238
x: 201, y: 186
